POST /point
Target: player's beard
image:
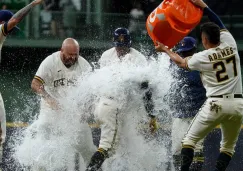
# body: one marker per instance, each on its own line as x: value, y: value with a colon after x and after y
x: 68, y: 62
x: 122, y: 51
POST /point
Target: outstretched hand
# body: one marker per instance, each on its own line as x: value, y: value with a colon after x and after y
x: 36, y: 2
x: 160, y: 47
x: 199, y: 3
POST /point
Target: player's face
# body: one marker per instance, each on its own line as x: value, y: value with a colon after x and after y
x: 122, y: 51
x: 70, y: 56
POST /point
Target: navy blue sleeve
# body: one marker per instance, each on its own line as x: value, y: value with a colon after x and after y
x: 214, y: 17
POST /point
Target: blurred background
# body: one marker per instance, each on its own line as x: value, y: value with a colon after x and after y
x: 91, y: 22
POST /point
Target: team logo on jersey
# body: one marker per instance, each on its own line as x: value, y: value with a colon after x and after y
x: 65, y: 82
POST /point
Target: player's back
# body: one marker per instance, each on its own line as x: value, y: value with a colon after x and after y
x: 220, y: 67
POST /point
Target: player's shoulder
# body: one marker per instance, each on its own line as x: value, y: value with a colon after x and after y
x: 51, y: 59
x: 82, y: 60
x: 54, y: 56
x: 227, y: 37
x: 136, y: 53
x: 199, y: 57
x: 202, y: 54
x: 108, y: 55
x: 108, y: 52
x: 224, y: 33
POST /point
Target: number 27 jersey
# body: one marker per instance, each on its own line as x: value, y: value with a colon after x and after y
x: 219, y: 67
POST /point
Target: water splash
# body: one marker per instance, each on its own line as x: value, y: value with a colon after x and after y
x: 53, y: 139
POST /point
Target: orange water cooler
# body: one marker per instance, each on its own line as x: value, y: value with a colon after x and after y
x: 172, y: 20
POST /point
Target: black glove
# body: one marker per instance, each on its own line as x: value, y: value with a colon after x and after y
x: 97, y: 160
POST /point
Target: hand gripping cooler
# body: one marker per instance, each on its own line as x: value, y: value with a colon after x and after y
x: 172, y: 20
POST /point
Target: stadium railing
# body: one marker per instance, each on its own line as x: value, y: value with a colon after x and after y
x: 93, y: 30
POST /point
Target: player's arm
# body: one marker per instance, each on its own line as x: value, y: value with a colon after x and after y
x: 42, y: 77
x: 147, y: 98
x: 211, y: 15
x: 149, y: 106
x: 17, y: 17
x: 37, y: 86
x: 181, y: 62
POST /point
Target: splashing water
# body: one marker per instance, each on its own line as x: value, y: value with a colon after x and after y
x: 53, y: 139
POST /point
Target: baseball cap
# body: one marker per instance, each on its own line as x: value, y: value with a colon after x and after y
x: 121, y: 37
x: 186, y: 44
x: 6, y: 15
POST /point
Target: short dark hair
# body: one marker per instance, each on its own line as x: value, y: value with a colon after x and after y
x: 212, y: 32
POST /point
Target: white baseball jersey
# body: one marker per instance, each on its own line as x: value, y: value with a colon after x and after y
x: 107, y: 109
x: 220, y: 67
x: 110, y: 57
x: 2, y: 110
x: 57, y: 78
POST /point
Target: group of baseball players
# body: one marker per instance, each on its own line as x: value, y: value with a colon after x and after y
x: 207, y: 90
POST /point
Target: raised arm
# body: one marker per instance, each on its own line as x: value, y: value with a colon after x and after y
x: 17, y: 17
x: 211, y: 15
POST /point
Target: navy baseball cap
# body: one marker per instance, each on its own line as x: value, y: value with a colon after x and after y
x: 122, y: 37
x: 6, y: 15
x: 186, y: 44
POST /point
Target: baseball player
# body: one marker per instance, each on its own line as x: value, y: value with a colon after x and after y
x: 107, y: 110
x: 8, y: 22
x: 122, y: 50
x: 186, y: 97
x: 57, y: 75
x: 220, y: 69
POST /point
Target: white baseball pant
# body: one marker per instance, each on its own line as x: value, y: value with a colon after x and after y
x: 106, y: 114
x: 3, y: 126
x: 179, y: 129
x: 46, y: 128
x: 2, y: 119
x: 226, y: 111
